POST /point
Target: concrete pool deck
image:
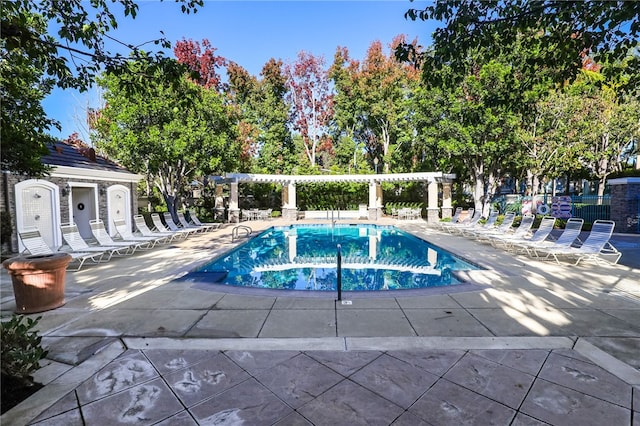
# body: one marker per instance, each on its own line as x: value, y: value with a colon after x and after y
x: 528, y: 343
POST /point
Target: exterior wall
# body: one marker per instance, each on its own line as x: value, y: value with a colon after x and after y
x: 8, y: 200
x: 625, y: 196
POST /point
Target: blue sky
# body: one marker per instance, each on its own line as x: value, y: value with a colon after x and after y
x: 250, y: 33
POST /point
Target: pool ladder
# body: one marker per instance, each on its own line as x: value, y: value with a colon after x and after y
x: 235, y: 233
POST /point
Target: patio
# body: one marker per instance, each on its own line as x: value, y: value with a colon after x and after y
x: 528, y: 342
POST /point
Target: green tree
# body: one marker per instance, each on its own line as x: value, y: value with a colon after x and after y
x: 560, y: 31
x: 473, y: 124
x: 71, y: 59
x: 24, y: 125
x: 169, y: 133
x: 373, y: 101
x: 607, y: 123
x: 265, y: 115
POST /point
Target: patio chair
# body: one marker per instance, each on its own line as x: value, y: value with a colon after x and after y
x: 467, y: 231
x: 194, y: 218
x: 36, y: 245
x: 144, y: 230
x: 569, y: 236
x: 160, y: 227
x: 73, y: 238
x: 186, y: 225
x: 467, y: 225
x: 595, y: 245
x: 504, y: 227
x: 539, y: 236
x: 104, y: 239
x: 520, y: 233
x: 264, y: 214
x: 125, y: 234
x: 470, y: 214
x: 454, y: 218
x: 173, y: 226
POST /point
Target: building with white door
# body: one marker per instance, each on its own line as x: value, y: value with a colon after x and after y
x: 81, y: 186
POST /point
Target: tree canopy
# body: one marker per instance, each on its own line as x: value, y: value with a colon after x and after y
x: 71, y: 59
x: 561, y: 31
x: 170, y: 133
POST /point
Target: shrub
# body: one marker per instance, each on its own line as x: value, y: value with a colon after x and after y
x: 21, y: 349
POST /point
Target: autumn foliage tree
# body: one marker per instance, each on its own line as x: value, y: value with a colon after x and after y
x: 202, y: 60
x: 373, y: 100
x: 311, y: 103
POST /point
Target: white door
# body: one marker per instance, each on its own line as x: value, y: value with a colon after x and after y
x: 37, y: 205
x: 118, y: 199
x: 83, y: 201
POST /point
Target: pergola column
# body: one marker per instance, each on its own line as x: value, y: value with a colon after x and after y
x: 289, y: 203
x: 375, y: 200
x: 219, y: 202
x: 234, y: 211
x: 447, y: 209
x: 432, y: 202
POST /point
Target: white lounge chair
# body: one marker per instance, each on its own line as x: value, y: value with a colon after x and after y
x: 443, y: 224
x: 173, y: 226
x: 73, y: 238
x: 104, y: 239
x: 597, y: 244
x: 35, y: 244
x: 470, y: 215
x: 160, y: 227
x: 539, y: 236
x: 490, y: 223
x: 504, y: 227
x: 144, y: 230
x: 125, y: 233
x: 215, y: 225
x: 521, y: 232
x: 567, y: 238
x: 186, y: 225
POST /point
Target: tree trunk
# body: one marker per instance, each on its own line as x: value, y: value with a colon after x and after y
x: 478, y: 193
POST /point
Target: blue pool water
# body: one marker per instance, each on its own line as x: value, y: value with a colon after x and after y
x: 304, y: 257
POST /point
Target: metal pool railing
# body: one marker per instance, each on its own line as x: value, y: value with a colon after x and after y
x: 339, y: 273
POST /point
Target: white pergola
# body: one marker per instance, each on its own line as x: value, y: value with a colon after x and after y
x: 289, y: 182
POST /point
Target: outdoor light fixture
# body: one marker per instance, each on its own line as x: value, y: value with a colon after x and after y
x: 65, y: 191
x: 102, y: 190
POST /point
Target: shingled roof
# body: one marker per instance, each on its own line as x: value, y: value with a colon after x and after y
x: 79, y: 155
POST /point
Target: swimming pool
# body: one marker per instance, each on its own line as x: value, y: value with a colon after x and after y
x: 304, y: 257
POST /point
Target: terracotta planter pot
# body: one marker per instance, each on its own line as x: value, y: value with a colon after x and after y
x: 38, y: 281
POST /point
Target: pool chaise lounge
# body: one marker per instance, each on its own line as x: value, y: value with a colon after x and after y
x: 597, y: 244
x: 523, y: 230
x: 159, y: 226
x: 144, y: 230
x: 488, y: 234
x: 186, y: 225
x: 73, y: 238
x: 469, y: 231
x: 538, y: 237
x: 102, y: 236
x: 454, y: 219
x: 194, y: 218
x: 468, y: 225
x: 36, y: 245
x: 125, y: 233
x: 173, y: 226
